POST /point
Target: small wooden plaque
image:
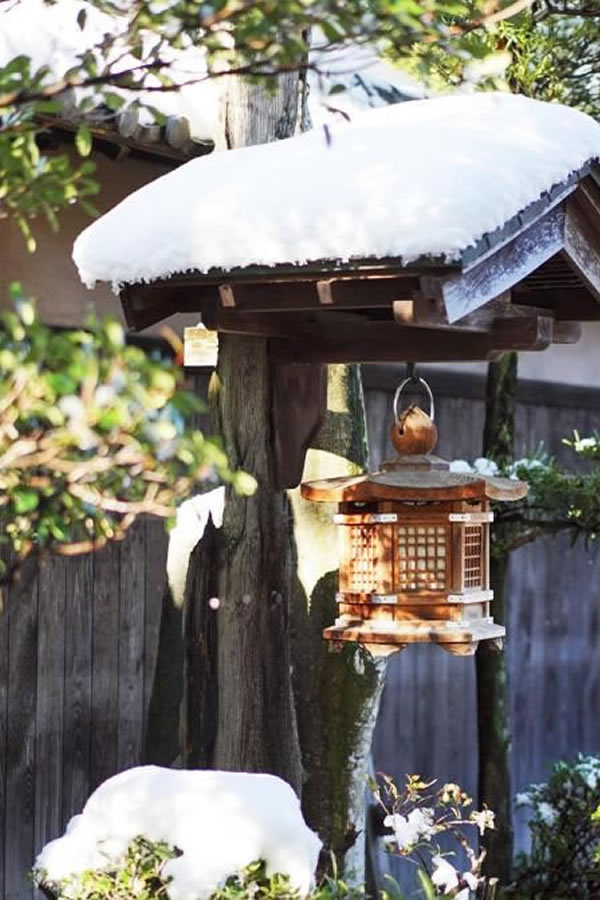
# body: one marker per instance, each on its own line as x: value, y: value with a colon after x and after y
x: 200, y: 347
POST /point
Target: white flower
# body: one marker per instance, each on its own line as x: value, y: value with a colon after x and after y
x: 444, y: 874
x: 485, y: 466
x: 407, y: 831
x: 523, y: 799
x: 483, y: 819
x: 471, y: 879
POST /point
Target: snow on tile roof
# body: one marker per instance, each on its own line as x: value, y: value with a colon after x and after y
x: 51, y: 37
x: 426, y: 178
x: 220, y: 821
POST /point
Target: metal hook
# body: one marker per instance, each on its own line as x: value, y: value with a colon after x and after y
x: 412, y: 378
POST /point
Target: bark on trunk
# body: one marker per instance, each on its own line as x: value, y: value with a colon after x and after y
x: 337, y: 694
x: 494, y: 735
x: 256, y: 725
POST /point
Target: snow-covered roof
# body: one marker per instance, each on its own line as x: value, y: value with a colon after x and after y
x: 421, y: 179
x: 52, y: 37
x: 220, y: 821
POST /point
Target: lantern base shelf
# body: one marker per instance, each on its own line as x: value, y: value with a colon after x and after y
x: 421, y: 598
x: 382, y: 638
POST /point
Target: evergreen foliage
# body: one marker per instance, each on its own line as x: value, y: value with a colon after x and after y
x: 93, y: 433
x: 562, y: 862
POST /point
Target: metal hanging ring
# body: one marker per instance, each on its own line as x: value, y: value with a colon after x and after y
x: 415, y: 379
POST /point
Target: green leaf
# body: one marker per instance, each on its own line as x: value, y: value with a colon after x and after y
x: 83, y: 140
x: 25, y: 501
x: 426, y: 885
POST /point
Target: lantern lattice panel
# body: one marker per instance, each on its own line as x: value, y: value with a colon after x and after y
x: 362, y: 575
x: 421, y: 558
x: 473, y: 546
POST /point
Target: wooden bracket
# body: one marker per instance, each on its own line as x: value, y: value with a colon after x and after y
x: 299, y: 403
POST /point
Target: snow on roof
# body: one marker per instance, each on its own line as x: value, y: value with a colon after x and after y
x: 221, y: 821
x: 50, y: 35
x: 426, y: 178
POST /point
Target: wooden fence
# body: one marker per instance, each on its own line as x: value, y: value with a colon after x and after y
x: 76, y: 662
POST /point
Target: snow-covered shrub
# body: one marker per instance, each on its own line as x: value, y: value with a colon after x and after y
x: 562, y: 863
x: 417, y: 816
x: 202, y: 826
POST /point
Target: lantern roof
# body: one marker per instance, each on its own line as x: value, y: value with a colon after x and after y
x: 412, y: 478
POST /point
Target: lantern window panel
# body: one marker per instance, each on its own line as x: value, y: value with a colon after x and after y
x: 421, y: 553
x: 473, y: 547
x: 364, y: 546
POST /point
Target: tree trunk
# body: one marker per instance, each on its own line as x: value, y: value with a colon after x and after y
x: 494, y: 736
x: 273, y: 604
x: 337, y: 694
x: 256, y: 723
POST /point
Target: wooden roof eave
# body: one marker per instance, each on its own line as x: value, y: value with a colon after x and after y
x: 410, y: 486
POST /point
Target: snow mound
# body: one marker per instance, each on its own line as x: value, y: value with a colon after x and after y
x: 221, y: 821
x: 425, y: 178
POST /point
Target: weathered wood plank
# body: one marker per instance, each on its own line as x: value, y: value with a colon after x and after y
x: 105, y: 665
x: 3, y: 740
x: 78, y: 684
x: 131, y: 647
x: 157, y: 542
x: 50, y: 700
x: 20, y: 744
x: 524, y: 254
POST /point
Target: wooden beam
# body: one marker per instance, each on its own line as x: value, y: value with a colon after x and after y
x: 523, y: 333
x: 465, y: 292
x: 343, y: 293
x: 299, y: 404
x: 381, y: 342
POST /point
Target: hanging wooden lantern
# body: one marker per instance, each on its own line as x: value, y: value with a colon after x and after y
x: 414, y: 540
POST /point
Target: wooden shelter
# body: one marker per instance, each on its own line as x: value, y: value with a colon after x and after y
x: 303, y: 264
x: 525, y: 286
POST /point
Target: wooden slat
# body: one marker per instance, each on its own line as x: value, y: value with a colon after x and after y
x: 78, y: 684
x: 20, y: 745
x: 50, y: 701
x: 131, y: 647
x: 105, y: 665
x: 3, y: 740
x: 156, y: 547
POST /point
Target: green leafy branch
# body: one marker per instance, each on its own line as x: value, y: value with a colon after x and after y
x: 93, y: 433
